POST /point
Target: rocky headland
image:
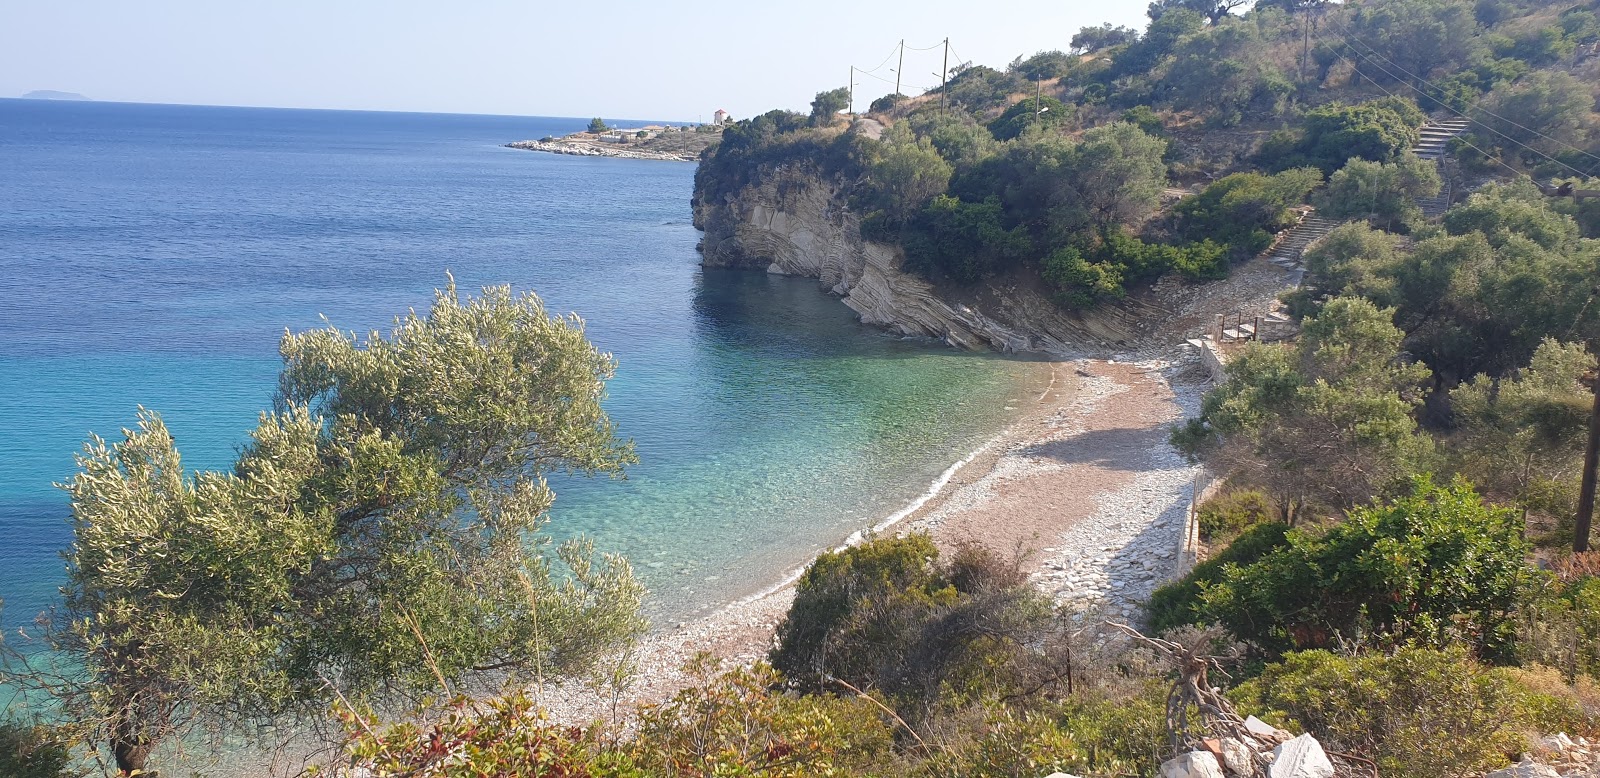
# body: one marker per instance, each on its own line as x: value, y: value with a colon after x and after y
x: 793, y: 219
x: 655, y: 142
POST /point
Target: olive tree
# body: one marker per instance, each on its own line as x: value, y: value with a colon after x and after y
x: 1328, y: 421
x: 1385, y: 193
x: 377, y: 535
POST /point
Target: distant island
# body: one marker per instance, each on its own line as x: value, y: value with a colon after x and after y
x: 51, y: 94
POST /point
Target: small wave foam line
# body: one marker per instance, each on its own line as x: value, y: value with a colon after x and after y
x: 857, y: 537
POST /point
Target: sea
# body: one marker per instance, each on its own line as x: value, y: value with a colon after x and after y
x: 154, y: 255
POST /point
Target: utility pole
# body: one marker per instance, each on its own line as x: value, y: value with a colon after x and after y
x: 852, y: 83
x: 900, y: 68
x: 1038, y: 94
x: 944, y: 72
x: 1591, y: 459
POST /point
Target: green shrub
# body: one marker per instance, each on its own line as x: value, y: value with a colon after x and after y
x: 33, y: 752
x: 1376, y: 131
x: 1559, y: 626
x: 735, y: 724
x: 1178, y: 603
x: 1419, y: 713
x: 1022, y: 115
x: 889, y: 616
x: 1227, y: 515
x: 1095, y: 732
x: 963, y: 241
x: 1245, y: 209
x: 1436, y: 566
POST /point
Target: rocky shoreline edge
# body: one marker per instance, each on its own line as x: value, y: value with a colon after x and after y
x: 593, y: 150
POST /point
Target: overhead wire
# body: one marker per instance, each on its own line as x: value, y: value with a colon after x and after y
x: 885, y: 60
x: 1351, y: 39
x: 1386, y: 91
x: 891, y: 81
x: 1348, y: 42
x: 930, y: 48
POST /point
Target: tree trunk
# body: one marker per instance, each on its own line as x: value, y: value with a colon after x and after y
x: 130, y: 748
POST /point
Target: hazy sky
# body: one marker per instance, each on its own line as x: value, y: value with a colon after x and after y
x: 655, y: 59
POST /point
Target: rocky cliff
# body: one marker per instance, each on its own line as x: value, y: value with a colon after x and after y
x: 792, y: 220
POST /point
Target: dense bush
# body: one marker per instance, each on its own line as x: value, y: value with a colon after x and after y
x: 1376, y: 131
x: 963, y: 241
x: 889, y: 615
x: 1480, y: 299
x: 1224, y: 517
x: 1046, y: 113
x: 1560, y: 622
x: 1420, y: 713
x: 33, y: 752
x: 1434, y: 567
x: 729, y: 723
x: 735, y: 724
x: 1244, y: 210
x: 886, y: 103
x: 1178, y: 603
x: 752, y: 146
x: 1382, y: 192
x: 1094, y: 732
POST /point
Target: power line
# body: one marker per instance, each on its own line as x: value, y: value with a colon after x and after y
x: 888, y: 81
x: 1412, y: 87
x: 1386, y: 91
x: 1350, y: 38
x: 929, y: 48
x: 885, y: 60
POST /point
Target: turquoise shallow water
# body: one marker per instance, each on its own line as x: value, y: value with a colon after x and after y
x: 154, y: 255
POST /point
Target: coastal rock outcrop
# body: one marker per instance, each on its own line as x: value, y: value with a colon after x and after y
x: 794, y: 221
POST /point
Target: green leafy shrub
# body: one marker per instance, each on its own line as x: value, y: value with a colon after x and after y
x: 28, y: 751
x: 1226, y: 516
x: 1376, y: 131
x: 1244, y: 210
x: 735, y: 724
x: 1178, y: 603
x: 886, y: 103
x: 1026, y: 113
x: 963, y: 241
x: 1419, y: 713
x: 1559, y: 626
x: 1433, y: 567
x: 888, y: 615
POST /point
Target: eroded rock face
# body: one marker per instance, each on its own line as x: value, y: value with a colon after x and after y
x: 794, y: 222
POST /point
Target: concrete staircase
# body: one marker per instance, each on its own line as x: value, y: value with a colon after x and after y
x: 1291, y: 247
x: 1434, y: 146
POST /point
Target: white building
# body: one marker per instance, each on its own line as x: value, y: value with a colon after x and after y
x: 719, y: 118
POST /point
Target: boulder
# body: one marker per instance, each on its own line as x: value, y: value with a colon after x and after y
x: 1237, y: 758
x: 1301, y: 757
x: 1526, y: 769
x: 1195, y: 764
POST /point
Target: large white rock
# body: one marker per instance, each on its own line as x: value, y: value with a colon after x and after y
x: 1526, y: 770
x: 1301, y: 757
x: 1195, y: 764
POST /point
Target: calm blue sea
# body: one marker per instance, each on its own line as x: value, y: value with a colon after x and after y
x: 154, y: 254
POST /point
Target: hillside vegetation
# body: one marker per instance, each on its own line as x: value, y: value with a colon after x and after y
x: 1286, y: 104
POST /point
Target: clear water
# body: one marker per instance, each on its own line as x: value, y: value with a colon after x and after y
x: 155, y: 254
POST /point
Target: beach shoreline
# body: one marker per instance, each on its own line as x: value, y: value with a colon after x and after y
x: 1083, y: 486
